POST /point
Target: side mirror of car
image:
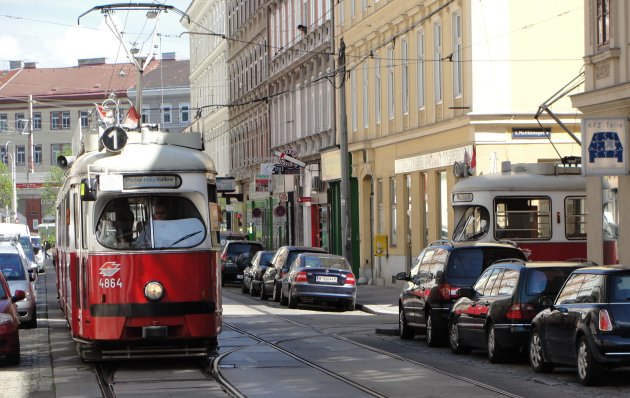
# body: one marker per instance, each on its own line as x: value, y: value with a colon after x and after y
x: 402, y: 276
x: 18, y: 296
x: 546, y: 301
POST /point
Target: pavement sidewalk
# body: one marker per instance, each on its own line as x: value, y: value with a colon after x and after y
x: 375, y: 299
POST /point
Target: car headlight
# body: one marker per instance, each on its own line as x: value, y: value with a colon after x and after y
x: 153, y: 291
x: 5, y: 318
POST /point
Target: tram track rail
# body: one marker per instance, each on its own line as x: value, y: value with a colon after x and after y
x: 368, y: 390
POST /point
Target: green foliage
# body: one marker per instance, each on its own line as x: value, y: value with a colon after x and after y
x: 6, y: 186
x: 51, y: 187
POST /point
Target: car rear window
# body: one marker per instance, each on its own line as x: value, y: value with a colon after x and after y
x: 236, y: 249
x: 546, y: 281
x: 620, y: 289
x: 465, y: 265
x: 326, y: 262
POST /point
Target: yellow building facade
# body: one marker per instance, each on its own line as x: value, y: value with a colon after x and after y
x: 432, y: 82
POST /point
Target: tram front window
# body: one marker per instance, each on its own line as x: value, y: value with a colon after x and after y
x: 150, y: 222
x: 473, y: 225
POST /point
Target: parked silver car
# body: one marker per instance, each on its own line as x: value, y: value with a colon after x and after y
x: 14, y: 267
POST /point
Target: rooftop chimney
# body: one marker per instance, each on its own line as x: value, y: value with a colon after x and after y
x: 168, y: 56
x: 91, y: 61
x: 15, y: 64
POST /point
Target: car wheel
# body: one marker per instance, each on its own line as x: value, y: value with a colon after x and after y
x: 536, y: 358
x: 405, y: 331
x: 433, y: 339
x: 495, y: 353
x: 293, y: 301
x: 14, y: 359
x: 350, y: 306
x: 276, y: 293
x: 588, y: 369
x: 263, y: 293
x: 453, y: 339
x: 283, y: 298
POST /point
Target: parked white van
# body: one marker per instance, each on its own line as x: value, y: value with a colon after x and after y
x: 25, y: 241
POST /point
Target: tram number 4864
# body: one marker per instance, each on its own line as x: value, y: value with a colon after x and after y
x: 110, y: 283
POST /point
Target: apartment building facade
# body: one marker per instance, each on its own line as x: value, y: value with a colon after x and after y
x: 438, y: 81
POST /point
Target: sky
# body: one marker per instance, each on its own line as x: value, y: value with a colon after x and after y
x: 46, y: 32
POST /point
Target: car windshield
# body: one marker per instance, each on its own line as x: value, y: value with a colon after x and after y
x: 620, y: 289
x: 36, y: 241
x: 12, y: 267
x: 473, y: 225
x: 150, y: 222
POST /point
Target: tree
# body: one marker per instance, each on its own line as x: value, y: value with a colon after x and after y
x: 6, y: 187
x: 52, y: 185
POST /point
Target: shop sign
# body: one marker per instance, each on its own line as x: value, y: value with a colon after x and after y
x: 262, y: 183
x: 431, y: 160
x: 303, y: 199
x: 604, y: 143
x: 226, y: 184
x: 380, y: 245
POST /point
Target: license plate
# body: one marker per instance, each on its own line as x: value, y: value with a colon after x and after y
x: 328, y: 279
x: 239, y: 276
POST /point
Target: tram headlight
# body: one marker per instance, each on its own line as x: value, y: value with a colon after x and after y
x: 153, y: 291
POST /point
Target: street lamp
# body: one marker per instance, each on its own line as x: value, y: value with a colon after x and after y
x: 13, y: 179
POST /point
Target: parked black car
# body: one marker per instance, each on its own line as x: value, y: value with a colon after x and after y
x: 235, y: 256
x: 588, y: 326
x: 252, y: 274
x: 496, y: 313
x: 319, y: 278
x: 438, y: 272
x: 272, y: 278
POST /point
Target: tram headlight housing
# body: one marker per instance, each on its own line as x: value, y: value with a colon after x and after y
x: 153, y: 291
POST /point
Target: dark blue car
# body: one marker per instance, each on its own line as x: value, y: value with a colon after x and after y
x: 588, y: 326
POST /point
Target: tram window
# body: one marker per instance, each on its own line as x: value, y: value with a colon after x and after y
x: 473, y: 225
x: 575, y: 218
x: 150, y: 222
x: 522, y: 218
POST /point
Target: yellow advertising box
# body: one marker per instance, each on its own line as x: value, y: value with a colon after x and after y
x: 380, y: 245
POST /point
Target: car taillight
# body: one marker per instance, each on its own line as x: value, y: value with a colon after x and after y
x: 521, y: 311
x: 350, y: 280
x: 448, y: 292
x: 301, y: 277
x: 224, y: 257
x: 605, y: 324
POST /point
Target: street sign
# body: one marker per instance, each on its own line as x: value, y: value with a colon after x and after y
x: 288, y: 158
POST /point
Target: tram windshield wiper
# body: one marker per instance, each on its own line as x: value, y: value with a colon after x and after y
x: 190, y: 235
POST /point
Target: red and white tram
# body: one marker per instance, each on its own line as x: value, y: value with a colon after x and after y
x: 539, y: 206
x: 137, y: 242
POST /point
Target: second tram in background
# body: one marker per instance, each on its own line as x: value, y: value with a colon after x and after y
x: 539, y: 206
x: 137, y: 241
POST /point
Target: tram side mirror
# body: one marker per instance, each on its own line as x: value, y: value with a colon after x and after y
x: 88, y: 189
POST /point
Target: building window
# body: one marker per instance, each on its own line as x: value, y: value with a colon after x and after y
x: 420, y: 77
x: 377, y: 89
x: 65, y: 120
x: 366, y: 102
x: 84, y: 118
x: 57, y: 150
x: 443, y: 205
x: 603, y: 22
x: 3, y: 155
x: 457, y: 55
x: 37, y: 120
x: 353, y: 99
x: 390, y: 82
x: 184, y: 113
x: 393, y: 225
x: 37, y: 154
x: 20, y: 122
x: 381, y: 214
x: 437, y: 61
x: 146, y: 112
x: 405, y: 76
x: 20, y: 155
x: 55, y: 120
x: 166, y: 113
x: 4, y: 122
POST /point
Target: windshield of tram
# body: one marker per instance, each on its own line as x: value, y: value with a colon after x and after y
x: 473, y: 225
x: 150, y: 222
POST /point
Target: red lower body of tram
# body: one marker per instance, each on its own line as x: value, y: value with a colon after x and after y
x: 112, y: 316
